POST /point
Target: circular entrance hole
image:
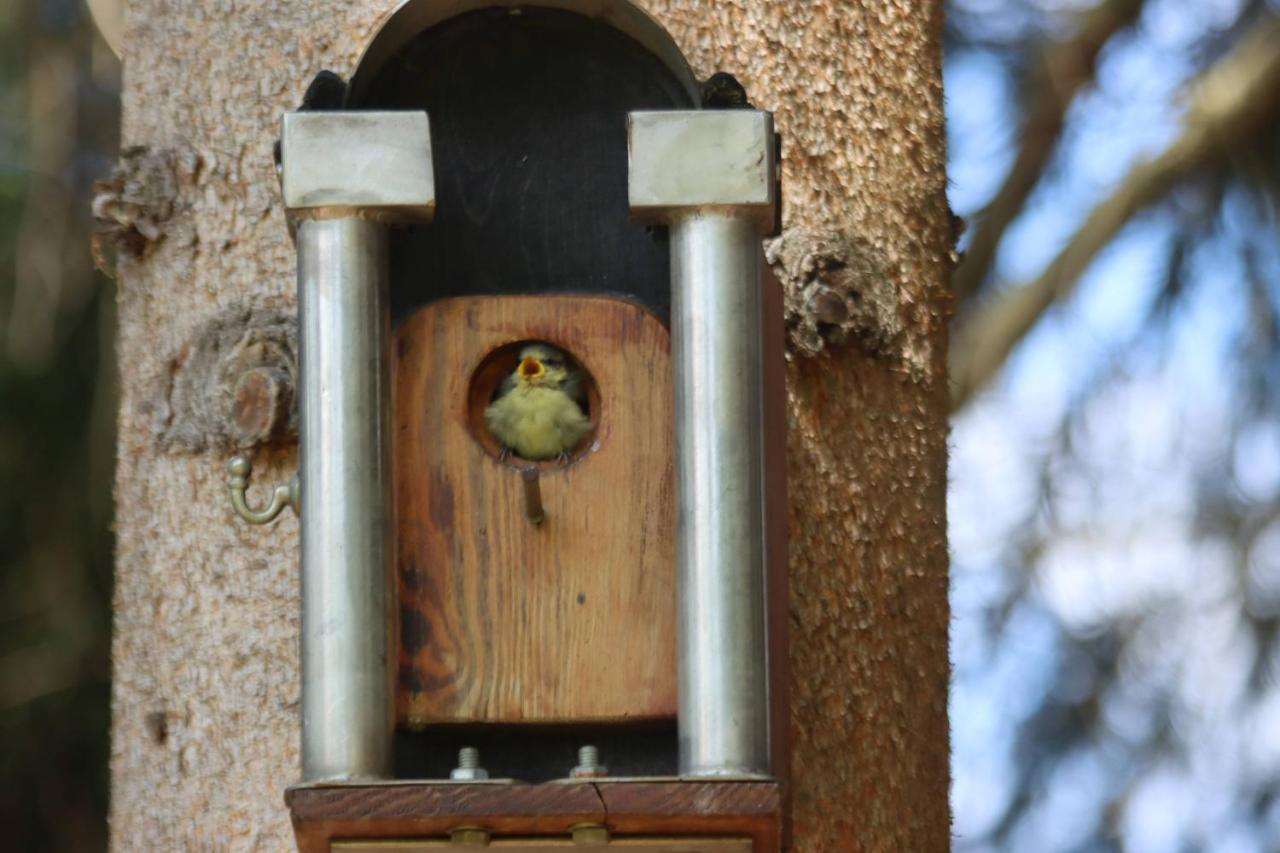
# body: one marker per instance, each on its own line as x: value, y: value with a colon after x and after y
x: 486, y: 386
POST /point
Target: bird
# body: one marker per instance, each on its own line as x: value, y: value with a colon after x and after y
x: 538, y: 410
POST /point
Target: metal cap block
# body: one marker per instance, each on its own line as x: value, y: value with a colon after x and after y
x: 375, y: 164
x: 691, y: 160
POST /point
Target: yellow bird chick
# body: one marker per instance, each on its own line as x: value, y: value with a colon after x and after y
x: 537, y: 412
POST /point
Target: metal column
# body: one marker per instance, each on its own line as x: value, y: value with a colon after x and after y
x: 347, y: 702
x: 711, y: 177
x: 345, y: 176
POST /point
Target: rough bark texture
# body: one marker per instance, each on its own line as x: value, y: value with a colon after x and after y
x: 205, y: 732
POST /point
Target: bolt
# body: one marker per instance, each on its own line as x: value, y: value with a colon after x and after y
x: 588, y: 764
x: 469, y: 769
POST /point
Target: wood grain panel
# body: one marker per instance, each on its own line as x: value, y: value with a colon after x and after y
x: 502, y: 620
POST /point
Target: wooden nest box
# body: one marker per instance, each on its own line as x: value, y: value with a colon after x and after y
x: 627, y: 593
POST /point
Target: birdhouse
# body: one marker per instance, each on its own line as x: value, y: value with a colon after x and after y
x: 541, y: 451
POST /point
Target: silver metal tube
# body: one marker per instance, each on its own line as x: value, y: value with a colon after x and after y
x: 347, y: 699
x: 716, y: 340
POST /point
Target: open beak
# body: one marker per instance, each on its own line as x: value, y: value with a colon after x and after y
x: 530, y: 368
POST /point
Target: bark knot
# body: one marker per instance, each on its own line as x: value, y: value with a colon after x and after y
x: 231, y: 385
x: 836, y: 290
x: 131, y: 208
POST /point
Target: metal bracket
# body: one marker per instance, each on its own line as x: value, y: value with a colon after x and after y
x: 374, y: 165
x: 691, y: 162
x: 285, y: 494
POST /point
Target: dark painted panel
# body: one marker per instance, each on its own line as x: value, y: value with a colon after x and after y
x: 528, y: 114
x: 538, y: 753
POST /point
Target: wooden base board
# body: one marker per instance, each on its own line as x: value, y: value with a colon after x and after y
x: 632, y: 811
x: 552, y: 845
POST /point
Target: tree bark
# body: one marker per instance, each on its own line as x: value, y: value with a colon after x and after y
x: 205, y: 705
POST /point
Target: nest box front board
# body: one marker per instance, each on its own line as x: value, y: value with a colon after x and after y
x: 502, y: 620
x: 537, y: 613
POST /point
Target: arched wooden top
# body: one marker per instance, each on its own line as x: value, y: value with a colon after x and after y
x: 413, y: 17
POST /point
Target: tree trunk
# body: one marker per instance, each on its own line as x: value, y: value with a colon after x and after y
x: 205, y: 729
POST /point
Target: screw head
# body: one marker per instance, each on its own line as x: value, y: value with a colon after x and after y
x: 469, y: 836
x: 589, y: 833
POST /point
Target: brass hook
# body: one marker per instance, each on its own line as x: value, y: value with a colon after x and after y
x: 283, y: 495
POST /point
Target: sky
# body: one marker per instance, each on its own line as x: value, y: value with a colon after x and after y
x: 1120, y: 540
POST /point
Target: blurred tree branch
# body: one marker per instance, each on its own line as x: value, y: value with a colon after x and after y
x: 1230, y: 102
x: 1062, y: 69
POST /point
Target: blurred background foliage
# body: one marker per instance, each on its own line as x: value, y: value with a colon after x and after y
x: 1116, y: 444
x: 1115, y: 497
x: 59, y: 126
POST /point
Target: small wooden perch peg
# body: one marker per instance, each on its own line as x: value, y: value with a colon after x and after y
x: 532, y: 495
